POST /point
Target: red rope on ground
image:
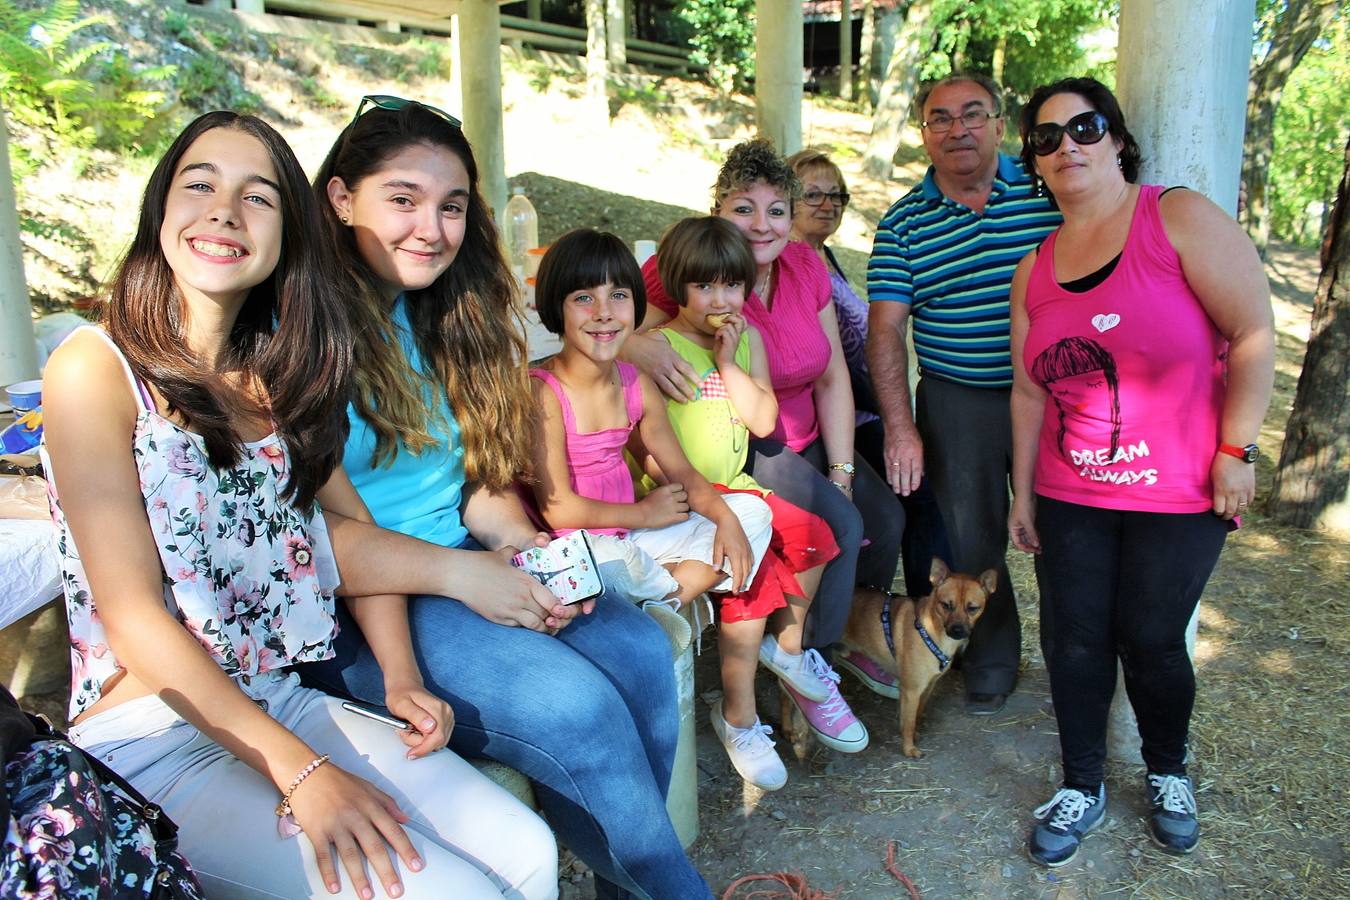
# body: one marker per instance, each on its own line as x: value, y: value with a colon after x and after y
x: 899, y: 876
x: 795, y: 882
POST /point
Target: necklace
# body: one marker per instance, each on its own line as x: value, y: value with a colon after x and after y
x: 762, y: 286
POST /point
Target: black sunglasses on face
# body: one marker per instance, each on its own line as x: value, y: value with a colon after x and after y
x: 1085, y: 128
x: 392, y: 103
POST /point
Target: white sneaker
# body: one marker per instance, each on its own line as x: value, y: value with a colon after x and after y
x: 794, y: 671
x: 751, y: 751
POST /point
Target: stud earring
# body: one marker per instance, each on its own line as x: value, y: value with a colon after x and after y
x: 345, y: 220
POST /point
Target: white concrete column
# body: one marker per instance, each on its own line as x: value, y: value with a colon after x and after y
x: 18, y: 351
x: 1182, y: 81
x: 1181, y: 77
x: 480, y: 86
x: 249, y: 6
x: 846, y: 49
x: 778, y: 72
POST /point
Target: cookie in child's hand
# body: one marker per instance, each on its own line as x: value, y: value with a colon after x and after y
x: 717, y: 320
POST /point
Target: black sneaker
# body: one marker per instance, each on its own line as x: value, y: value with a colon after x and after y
x: 1173, y: 825
x: 1064, y: 821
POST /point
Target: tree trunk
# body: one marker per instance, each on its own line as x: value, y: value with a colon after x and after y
x: 846, y: 50
x: 898, y: 88
x: 1300, y: 24
x: 1312, y: 484
x: 867, y: 43
x: 1000, y: 58
x: 597, y: 55
x: 616, y: 32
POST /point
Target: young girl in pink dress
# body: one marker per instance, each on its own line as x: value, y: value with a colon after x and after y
x: 592, y: 407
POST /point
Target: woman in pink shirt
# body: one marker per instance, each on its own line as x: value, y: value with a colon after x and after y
x: 809, y: 460
x: 1143, y: 360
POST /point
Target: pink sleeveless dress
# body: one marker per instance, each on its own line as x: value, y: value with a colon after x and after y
x: 595, y: 463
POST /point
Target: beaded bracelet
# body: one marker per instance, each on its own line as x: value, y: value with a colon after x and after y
x: 284, y: 807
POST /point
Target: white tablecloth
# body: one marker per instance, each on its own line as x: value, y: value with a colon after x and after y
x: 29, y: 572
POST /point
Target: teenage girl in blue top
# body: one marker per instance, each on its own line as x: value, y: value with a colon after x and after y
x: 442, y: 424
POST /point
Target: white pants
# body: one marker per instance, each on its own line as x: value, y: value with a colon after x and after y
x: 694, y: 537
x: 476, y: 840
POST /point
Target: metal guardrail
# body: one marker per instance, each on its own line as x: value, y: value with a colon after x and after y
x: 544, y: 35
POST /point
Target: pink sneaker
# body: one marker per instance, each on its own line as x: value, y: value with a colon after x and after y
x: 867, y: 670
x: 831, y: 719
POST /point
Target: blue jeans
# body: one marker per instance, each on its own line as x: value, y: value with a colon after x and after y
x: 589, y: 716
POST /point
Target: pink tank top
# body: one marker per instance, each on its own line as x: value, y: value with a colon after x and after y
x: 1135, y: 371
x: 595, y: 460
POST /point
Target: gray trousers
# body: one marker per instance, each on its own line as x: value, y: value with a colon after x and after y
x: 967, y: 455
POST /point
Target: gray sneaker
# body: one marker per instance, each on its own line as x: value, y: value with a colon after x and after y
x: 1173, y: 825
x: 794, y: 671
x: 1064, y: 821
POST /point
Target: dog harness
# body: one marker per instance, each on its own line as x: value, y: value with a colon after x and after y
x: 943, y: 659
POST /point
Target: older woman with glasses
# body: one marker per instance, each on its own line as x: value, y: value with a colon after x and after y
x: 815, y: 219
x: 1143, y: 350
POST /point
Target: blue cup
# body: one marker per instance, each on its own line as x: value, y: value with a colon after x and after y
x: 25, y: 396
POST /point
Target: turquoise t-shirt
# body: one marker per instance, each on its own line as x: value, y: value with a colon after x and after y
x: 416, y: 494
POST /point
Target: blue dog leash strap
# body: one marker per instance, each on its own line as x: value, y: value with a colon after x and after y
x: 886, y: 622
x: 943, y: 659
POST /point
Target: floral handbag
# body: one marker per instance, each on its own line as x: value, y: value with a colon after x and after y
x: 74, y: 827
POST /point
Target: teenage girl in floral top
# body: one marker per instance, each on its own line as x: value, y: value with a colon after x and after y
x: 186, y: 448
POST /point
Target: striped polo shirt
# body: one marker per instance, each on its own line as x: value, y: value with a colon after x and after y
x: 955, y: 267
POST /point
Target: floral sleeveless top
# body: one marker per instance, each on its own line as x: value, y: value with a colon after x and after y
x: 248, y: 574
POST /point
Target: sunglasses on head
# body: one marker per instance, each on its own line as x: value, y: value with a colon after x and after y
x: 1085, y: 128
x: 394, y: 104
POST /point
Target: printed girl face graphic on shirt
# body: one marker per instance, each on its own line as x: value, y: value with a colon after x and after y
x: 1080, y: 375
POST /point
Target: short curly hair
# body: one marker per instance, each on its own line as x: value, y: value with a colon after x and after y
x: 751, y: 162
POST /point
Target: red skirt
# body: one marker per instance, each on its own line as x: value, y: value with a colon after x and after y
x: 801, y: 540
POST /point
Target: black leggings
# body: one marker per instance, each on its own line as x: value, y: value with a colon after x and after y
x: 1121, y: 585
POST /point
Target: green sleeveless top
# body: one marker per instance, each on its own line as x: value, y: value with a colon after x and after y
x: 711, y: 434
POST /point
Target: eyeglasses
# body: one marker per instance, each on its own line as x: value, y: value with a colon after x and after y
x: 815, y: 198
x: 394, y: 104
x: 971, y: 119
x: 1085, y: 128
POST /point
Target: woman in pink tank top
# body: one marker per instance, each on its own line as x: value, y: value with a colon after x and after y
x: 1143, y: 360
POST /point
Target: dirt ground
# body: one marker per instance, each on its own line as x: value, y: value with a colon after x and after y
x: 1273, y: 657
x: 1268, y: 744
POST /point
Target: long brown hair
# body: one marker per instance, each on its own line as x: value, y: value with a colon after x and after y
x: 289, y: 336
x: 467, y: 325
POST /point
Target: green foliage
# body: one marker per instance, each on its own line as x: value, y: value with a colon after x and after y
x: 1040, y: 41
x: 320, y: 94
x: 208, y: 82
x: 1310, y: 135
x: 428, y: 57
x: 722, y: 34
x: 66, y: 88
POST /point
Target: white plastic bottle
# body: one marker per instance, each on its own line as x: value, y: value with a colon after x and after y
x: 522, y: 230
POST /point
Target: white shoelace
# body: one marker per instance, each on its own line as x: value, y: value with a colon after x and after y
x: 754, y: 739
x: 1069, y: 806
x: 1173, y: 792
x: 832, y: 708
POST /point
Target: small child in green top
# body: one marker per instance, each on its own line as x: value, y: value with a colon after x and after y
x: 706, y: 264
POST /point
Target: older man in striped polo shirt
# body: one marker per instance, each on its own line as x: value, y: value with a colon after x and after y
x: 943, y: 258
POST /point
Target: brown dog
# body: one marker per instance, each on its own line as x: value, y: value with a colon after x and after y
x: 947, y: 616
